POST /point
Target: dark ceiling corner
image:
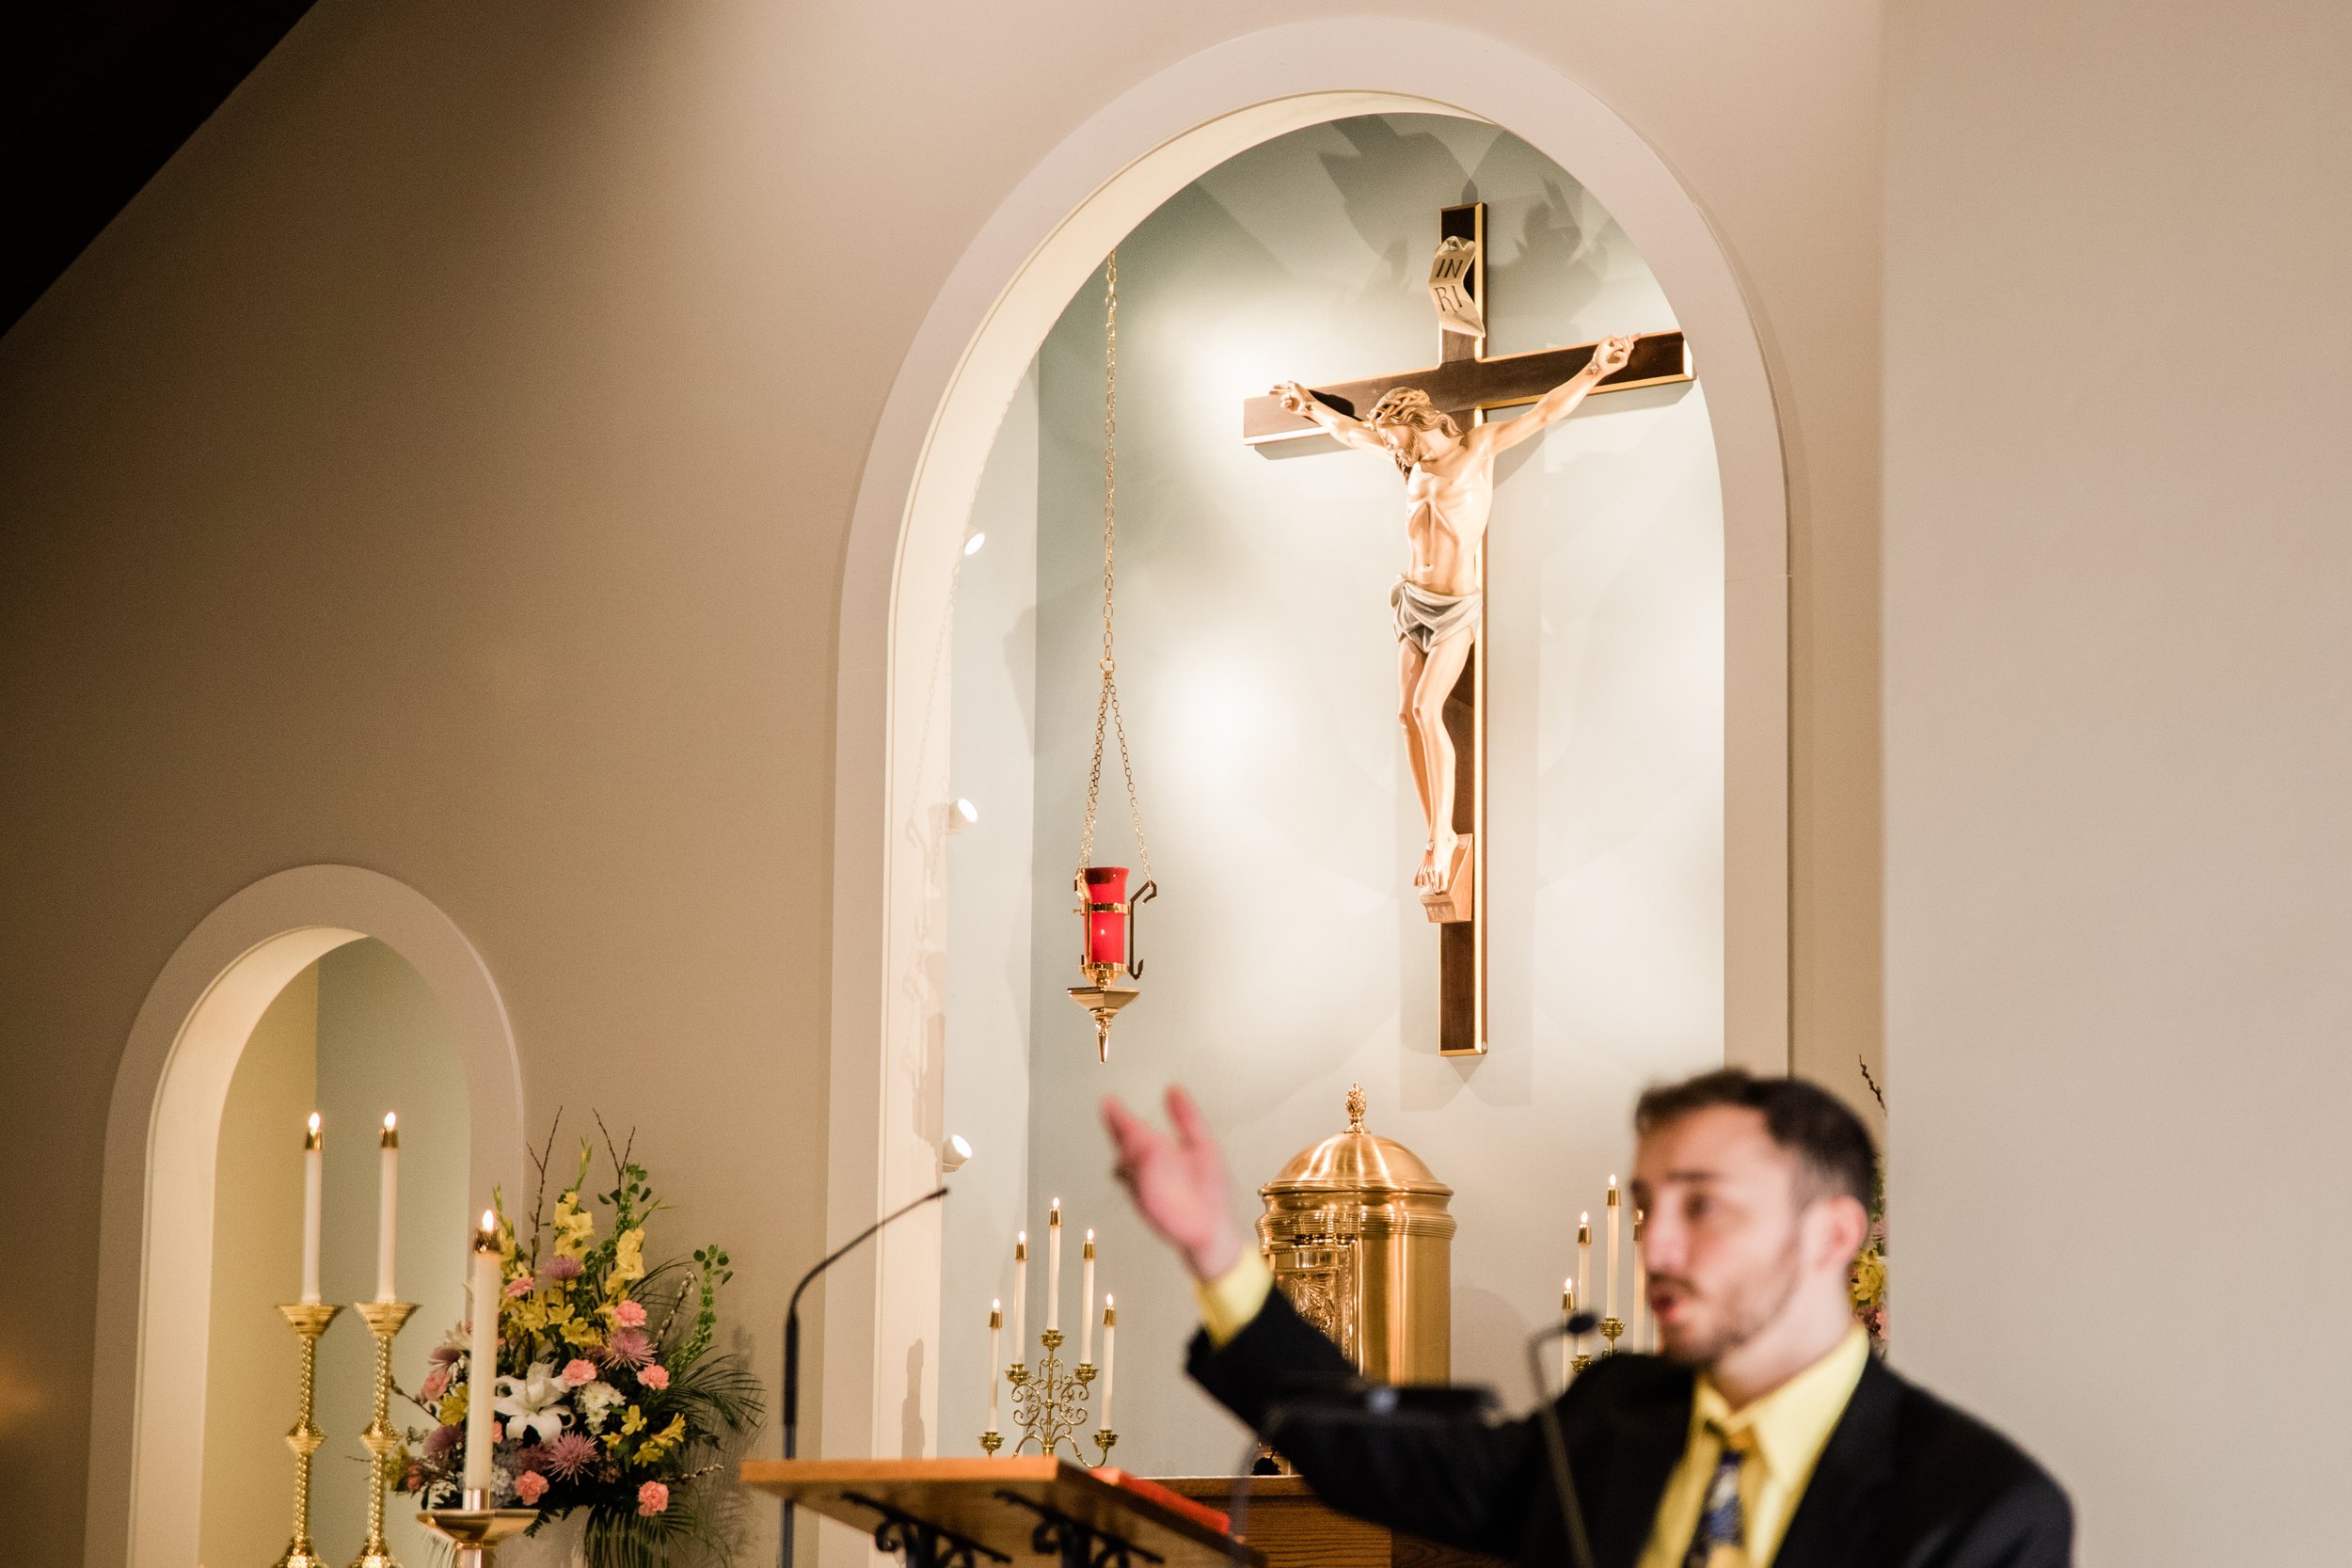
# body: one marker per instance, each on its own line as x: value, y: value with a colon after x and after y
x: 99, y: 93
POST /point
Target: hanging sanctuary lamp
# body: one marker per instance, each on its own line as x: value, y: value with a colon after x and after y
x: 1108, y: 953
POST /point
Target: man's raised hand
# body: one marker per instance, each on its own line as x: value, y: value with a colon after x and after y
x: 1179, y: 1184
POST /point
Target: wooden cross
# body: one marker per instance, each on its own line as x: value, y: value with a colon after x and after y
x: 1467, y: 384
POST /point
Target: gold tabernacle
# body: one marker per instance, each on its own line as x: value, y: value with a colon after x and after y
x: 1360, y: 1241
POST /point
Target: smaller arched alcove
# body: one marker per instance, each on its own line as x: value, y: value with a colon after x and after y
x: 356, y: 1035
x: 329, y: 983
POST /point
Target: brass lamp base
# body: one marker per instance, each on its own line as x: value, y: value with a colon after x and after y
x: 1104, y: 1001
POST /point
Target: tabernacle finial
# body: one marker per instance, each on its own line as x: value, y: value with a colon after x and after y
x: 1356, y: 1103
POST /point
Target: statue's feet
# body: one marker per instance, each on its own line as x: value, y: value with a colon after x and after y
x: 1438, y: 864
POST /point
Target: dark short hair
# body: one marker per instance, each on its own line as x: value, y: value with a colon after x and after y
x: 1833, y: 1148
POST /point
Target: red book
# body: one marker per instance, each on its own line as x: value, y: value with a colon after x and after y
x: 1199, y: 1512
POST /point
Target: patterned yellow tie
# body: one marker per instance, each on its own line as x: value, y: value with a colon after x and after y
x: 1723, y: 1524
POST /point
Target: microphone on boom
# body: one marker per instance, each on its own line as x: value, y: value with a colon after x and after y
x: 1555, y: 1442
x: 792, y: 1349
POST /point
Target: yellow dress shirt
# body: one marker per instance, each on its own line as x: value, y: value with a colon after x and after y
x: 1232, y: 1298
x: 1787, y: 1429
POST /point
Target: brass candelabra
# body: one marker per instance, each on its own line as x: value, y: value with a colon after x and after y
x: 385, y: 1318
x: 309, y: 1320
x: 1050, y: 1407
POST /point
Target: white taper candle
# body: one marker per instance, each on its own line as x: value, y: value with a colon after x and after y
x: 1110, y: 1329
x: 1567, y: 1340
x: 1585, y: 1260
x: 1052, y: 1267
x: 313, y: 1180
x: 1612, y: 1309
x: 1020, y: 1299
x: 388, y: 1208
x: 995, y: 1357
x: 481, y: 1364
x: 1085, y: 1291
x: 1640, y: 1289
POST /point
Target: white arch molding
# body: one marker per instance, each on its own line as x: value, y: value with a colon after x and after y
x: 155, y: 1236
x: 935, y: 432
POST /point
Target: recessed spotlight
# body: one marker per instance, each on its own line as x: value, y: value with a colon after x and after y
x: 972, y: 545
x: 966, y: 810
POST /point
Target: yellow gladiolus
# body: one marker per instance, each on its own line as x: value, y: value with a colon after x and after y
x: 575, y: 1228
x: 628, y: 1261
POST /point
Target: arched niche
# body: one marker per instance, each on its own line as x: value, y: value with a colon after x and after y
x: 155, y: 1242
x: 929, y: 448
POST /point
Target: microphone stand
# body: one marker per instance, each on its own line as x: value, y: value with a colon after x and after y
x: 792, y: 1350
x: 1555, y: 1441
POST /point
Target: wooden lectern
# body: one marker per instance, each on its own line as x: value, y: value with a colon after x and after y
x: 980, y: 1512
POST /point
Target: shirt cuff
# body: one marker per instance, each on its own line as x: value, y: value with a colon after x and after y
x: 1229, y: 1302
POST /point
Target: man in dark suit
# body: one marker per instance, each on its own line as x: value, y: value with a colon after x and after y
x: 1764, y: 1437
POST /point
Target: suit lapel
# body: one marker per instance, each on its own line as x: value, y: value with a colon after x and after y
x: 1643, y: 1442
x: 1839, y: 1519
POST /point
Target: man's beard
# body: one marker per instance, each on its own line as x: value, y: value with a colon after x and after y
x: 1744, y: 1314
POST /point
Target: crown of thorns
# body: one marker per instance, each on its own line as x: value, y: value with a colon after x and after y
x: 1409, y: 405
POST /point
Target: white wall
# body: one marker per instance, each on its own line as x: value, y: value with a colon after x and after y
x: 1288, y: 955
x: 444, y: 465
x: 2119, y: 751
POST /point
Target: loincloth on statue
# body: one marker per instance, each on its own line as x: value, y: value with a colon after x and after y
x: 1425, y: 619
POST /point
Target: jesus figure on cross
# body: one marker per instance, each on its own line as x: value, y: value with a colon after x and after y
x: 1449, y: 491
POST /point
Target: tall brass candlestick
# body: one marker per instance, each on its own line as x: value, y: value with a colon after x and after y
x: 385, y: 1318
x: 309, y: 1320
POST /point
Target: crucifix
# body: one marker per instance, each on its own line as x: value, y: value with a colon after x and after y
x: 1433, y: 424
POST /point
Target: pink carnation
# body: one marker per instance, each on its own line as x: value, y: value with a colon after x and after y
x: 656, y: 1378
x: 652, y: 1497
x: 435, y: 1384
x: 577, y: 1372
x: 531, y: 1487
x: 520, y: 1286
x: 629, y: 1314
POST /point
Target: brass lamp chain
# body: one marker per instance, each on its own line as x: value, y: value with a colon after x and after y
x: 1106, y: 702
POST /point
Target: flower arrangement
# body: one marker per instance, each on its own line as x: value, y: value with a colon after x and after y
x: 1869, y: 1280
x: 610, y: 1397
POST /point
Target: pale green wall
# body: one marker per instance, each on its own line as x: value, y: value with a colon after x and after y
x: 251, y: 1355
x: 989, y: 1003
x: 383, y: 1045
x: 353, y: 1036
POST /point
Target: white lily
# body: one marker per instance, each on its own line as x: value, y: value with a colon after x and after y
x: 533, y: 1402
